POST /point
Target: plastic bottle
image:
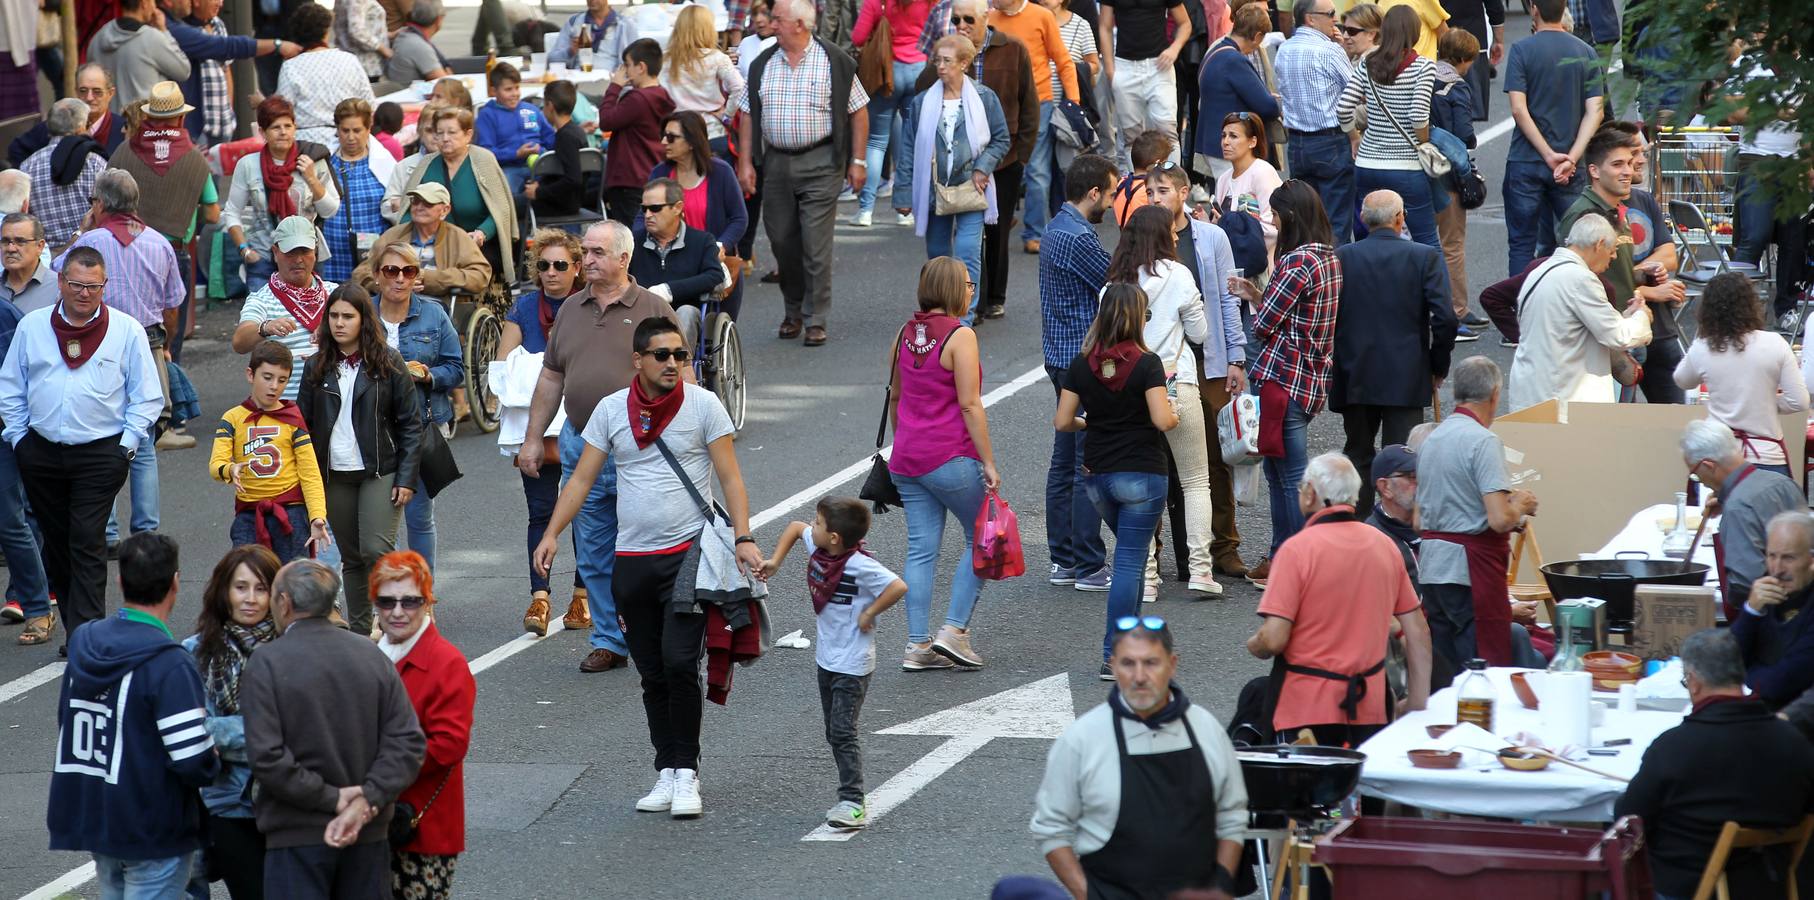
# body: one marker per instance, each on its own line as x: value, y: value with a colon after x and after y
x: 1476, y: 696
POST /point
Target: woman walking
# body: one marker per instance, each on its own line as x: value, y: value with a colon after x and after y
x: 417, y: 327
x: 1120, y: 386
x: 905, y: 20
x: 361, y: 175
x: 1751, y: 374
x: 943, y: 461
x: 1393, y: 85
x: 284, y: 179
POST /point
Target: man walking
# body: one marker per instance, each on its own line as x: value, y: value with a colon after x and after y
x: 1313, y: 70
x: 670, y: 439
x: 131, y: 749
x: 588, y: 359
x: 332, y: 740
x: 1138, y: 62
x: 1394, y: 329
x: 1554, y: 83
x: 75, y: 423
x: 804, y: 117
x: 1036, y: 28
x: 1073, y: 266
x: 27, y: 286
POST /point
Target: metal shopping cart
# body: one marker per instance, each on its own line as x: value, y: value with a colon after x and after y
x: 1698, y: 165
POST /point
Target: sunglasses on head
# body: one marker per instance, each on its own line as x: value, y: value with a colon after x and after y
x: 663, y: 354
x: 653, y: 208
x: 414, y: 601
x: 962, y: 20
x: 1129, y: 623
x: 394, y: 271
x: 558, y: 265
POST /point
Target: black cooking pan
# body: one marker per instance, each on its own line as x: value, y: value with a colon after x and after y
x: 1300, y: 780
x: 1616, y: 580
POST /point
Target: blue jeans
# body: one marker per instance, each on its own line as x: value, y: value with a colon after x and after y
x: 1534, y: 203
x: 885, y: 117
x: 28, y: 586
x: 516, y: 176
x: 959, y: 236
x: 1323, y: 161
x: 1755, y: 208
x: 142, y: 879
x: 1073, y: 527
x: 1038, y: 178
x: 955, y: 487
x: 1412, y: 185
x: 1131, y: 502
x: 294, y: 545
x: 142, y: 479
x: 419, y: 522
x: 1283, y: 475
x: 542, y: 492
x: 595, y: 530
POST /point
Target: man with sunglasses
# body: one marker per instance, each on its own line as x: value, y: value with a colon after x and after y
x: 1313, y: 70
x: 450, y: 259
x: 1139, y: 790
x: 682, y: 264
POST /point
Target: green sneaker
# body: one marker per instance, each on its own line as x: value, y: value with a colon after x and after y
x: 847, y: 814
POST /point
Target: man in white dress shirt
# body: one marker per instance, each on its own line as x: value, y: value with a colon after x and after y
x: 1568, y: 329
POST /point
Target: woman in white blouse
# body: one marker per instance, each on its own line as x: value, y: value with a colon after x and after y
x: 698, y: 75
x: 1148, y: 256
x: 1751, y: 374
x: 286, y: 178
x: 318, y: 78
x: 359, y: 30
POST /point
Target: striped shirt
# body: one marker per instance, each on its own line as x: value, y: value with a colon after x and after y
x: 1080, y: 41
x: 1313, y: 70
x: 796, y: 100
x: 263, y: 306
x: 1406, y: 99
x: 142, y: 277
x: 1295, y: 327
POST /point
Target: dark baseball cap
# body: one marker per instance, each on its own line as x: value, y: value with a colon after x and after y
x: 1394, y: 459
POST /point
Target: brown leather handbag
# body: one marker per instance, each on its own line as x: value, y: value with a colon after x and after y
x: 875, y: 62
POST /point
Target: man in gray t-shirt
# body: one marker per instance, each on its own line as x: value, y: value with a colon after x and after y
x: 413, y: 57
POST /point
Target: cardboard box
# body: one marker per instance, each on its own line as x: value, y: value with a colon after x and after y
x: 1664, y: 615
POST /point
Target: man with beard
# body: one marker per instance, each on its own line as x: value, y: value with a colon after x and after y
x: 1773, y: 630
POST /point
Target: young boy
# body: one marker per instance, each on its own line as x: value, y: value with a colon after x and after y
x: 262, y: 448
x: 1149, y: 149
x: 512, y: 130
x: 560, y: 195
x: 849, y: 589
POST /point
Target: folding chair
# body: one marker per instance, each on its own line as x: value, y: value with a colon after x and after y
x: 1702, y: 256
x: 591, y: 162
x: 1737, y: 837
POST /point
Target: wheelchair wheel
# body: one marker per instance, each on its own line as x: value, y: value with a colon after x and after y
x: 482, y: 332
x: 724, y: 366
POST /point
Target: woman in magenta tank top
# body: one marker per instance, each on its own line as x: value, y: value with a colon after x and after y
x: 942, y: 461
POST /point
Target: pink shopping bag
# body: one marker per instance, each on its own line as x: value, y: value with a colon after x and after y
x: 996, y: 554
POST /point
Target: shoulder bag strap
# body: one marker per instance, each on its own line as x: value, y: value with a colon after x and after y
x: 1532, y: 287
x: 692, y: 491
x: 1373, y: 89
x: 416, y: 819
x: 894, y: 365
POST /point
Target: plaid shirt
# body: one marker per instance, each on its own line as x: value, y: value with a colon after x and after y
x: 1072, y: 270
x: 60, y: 208
x: 1313, y: 71
x: 359, y: 207
x: 142, y: 278
x: 796, y: 100
x: 737, y: 15
x: 938, y: 24
x: 217, y: 102
x: 1296, y: 325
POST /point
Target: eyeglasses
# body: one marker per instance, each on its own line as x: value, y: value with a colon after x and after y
x: 1325, y: 13
x: 653, y: 208
x: 82, y: 288
x: 669, y: 137
x: 1129, y: 623
x: 558, y: 265
x: 957, y: 20
x: 941, y: 61
x: 18, y: 242
x: 413, y: 601
x: 1353, y: 31
x: 663, y: 354
x: 394, y: 271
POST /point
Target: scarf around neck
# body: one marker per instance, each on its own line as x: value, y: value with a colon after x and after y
x: 79, y: 341
x: 160, y: 148
x: 926, y: 332
x: 546, y: 308
x: 925, y: 142
x: 305, y: 304
x: 221, y: 669
x: 1172, y: 711
x: 278, y: 176
x: 70, y: 158
x: 1113, y: 364
x: 825, y: 571
x: 649, y: 417
x: 123, y: 226
x: 286, y: 412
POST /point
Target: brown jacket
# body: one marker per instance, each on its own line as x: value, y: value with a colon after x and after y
x: 1008, y: 71
x: 459, y: 263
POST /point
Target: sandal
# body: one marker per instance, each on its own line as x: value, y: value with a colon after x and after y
x: 37, y: 630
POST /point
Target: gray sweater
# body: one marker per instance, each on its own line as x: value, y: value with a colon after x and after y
x: 139, y: 56
x: 324, y: 709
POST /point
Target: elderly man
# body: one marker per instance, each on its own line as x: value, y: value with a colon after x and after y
x: 450, y: 260
x: 1139, y: 789
x: 1730, y: 760
x: 76, y: 424
x: 804, y: 117
x: 1036, y: 28
x: 1006, y: 69
x: 287, y: 308
x: 1772, y: 633
x: 332, y: 740
x: 94, y: 87
x: 589, y: 358
x: 414, y: 56
x: 1313, y: 70
x: 63, y: 173
x: 139, y: 51
x: 1394, y: 329
x: 15, y: 192
x: 1467, y: 507
x: 683, y: 265
x: 1336, y: 588
x: 1567, y: 329
x: 605, y: 32
x: 29, y: 285
x: 1394, y: 475
x: 1748, y: 498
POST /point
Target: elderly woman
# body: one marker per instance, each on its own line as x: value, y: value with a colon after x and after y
x: 1568, y: 330
x: 1750, y: 372
x: 483, y: 206
x: 235, y: 620
x: 396, y: 205
x: 417, y: 327
x: 286, y: 178
x: 441, y: 691
x: 942, y: 461
x: 712, y: 200
x: 320, y: 77
x: 361, y: 176
x: 954, y: 135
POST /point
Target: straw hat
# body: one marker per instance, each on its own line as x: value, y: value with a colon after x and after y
x: 166, y: 101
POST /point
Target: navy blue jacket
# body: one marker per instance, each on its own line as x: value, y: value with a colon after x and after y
x: 1779, y: 655
x: 1452, y: 107
x: 725, y: 214
x: 132, y: 750
x: 1229, y: 83
x: 200, y: 46
x: 39, y: 137
x: 1394, y: 327
x: 690, y: 271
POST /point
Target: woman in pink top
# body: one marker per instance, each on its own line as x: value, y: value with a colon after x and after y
x: 1750, y: 372
x: 1248, y: 186
x: 906, y: 19
x: 942, y: 461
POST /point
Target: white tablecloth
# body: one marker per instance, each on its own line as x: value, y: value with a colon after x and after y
x: 1557, y: 794
x: 1642, y: 533
x: 418, y: 92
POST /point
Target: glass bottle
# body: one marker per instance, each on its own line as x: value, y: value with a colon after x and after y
x: 1676, y: 543
x: 1569, y: 654
x: 1476, y: 696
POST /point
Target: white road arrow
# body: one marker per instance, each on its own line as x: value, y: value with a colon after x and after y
x: 1040, y: 710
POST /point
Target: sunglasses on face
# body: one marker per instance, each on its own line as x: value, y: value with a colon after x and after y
x: 1352, y: 31
x: 1129, y: 623
x: 669, y: 137
x: 663, y: 354
x: 962, y: 20
x: 394, y: 271
x: 389, y: 603
x: 653, y: 208
x: 558, y: 265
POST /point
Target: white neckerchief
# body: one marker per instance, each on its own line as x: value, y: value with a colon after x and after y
x: 396, y: 652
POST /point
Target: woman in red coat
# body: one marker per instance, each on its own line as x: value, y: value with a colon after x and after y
x: 441, y: 689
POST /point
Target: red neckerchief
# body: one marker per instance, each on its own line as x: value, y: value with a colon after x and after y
x: 825, y: 571
x: 650, y: 416
x: 101, y: 127
x: 79, y: 342
x: 1118, y: 362
x: 1405, y: 61
x: 286, y: 412
x: 305, y: 304
x: 278, y: 177
x: 1717, y: 699
x: 1470, y: 414
x: 160, y: 148
x: 545, y: 311
x: 926, y: 332
x: 123, y: 226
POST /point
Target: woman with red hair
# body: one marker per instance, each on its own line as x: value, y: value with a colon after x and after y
x: 441, y: 690
x: 288, y: 177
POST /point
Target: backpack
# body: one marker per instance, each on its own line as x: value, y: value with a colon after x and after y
x: 1244, y: 238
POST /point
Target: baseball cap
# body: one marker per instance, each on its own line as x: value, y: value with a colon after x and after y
x: 431, y: 192
x: 294, y: 233
x: 1394, y: 459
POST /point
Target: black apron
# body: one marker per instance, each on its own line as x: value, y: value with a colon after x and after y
x: 1356, y: 683
x: 1159, y: 844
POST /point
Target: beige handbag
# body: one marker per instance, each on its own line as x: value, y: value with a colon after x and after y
x: 963, y: 197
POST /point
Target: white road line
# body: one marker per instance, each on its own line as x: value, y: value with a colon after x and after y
x: 512, y: 647
x: 70, y: 880
x: 45, y: 674
x: 1498, y: 130
x: 908, y: 781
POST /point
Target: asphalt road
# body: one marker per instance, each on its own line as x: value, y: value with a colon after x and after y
x: 558, y: 758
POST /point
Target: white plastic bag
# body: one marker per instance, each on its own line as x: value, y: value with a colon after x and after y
x: 1247, y: 481
x: 1238, y: 425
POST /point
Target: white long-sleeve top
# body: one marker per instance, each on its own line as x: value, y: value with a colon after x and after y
x: 1176, y: 308
x: 246, y: 206
x: 1747, y: 388
x: 1080, y: 798
x: 1567, y: 332
x: 705, y: 87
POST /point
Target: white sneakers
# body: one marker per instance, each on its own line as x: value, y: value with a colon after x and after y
x: 661, y: 796
x: 862, y: 218
x: 676, y: 792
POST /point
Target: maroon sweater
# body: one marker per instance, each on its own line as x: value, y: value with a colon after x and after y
x: 633, y: 118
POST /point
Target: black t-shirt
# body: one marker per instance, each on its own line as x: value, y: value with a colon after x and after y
x: 1121, y: 436
x: 1140, y: 26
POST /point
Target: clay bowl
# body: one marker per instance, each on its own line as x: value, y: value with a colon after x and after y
x: 1607, y: 683
x: 1436, y: 731
x: 1435, y: 759
x: 1522, y: 687
x: 1605, y: 663
x: 1522, y: 760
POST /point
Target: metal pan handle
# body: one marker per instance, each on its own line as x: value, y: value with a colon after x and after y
x: 1631, y: 554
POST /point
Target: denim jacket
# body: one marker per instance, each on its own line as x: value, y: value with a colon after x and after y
x: 960, y: 170
x: 230, y: 796
x: 427, y: 336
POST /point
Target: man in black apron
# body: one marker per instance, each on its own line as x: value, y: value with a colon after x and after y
x: 1142, y: 795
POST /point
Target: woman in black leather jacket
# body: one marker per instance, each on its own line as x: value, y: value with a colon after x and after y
x: 368, y: 451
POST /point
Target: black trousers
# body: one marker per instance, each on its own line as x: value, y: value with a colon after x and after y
x: 999, y: 239
x: 71, y: 488
x: 668, y: 649
x: 320, y: 872
x: 236, y: 855
x: 1391, y: 424
x: 623, y: 204
x: 1660, y: 360
x: 752, y: 206
x: 841, y: 699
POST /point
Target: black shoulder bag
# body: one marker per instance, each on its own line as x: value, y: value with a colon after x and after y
x: 879, y: 487
x: 405, y: 818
